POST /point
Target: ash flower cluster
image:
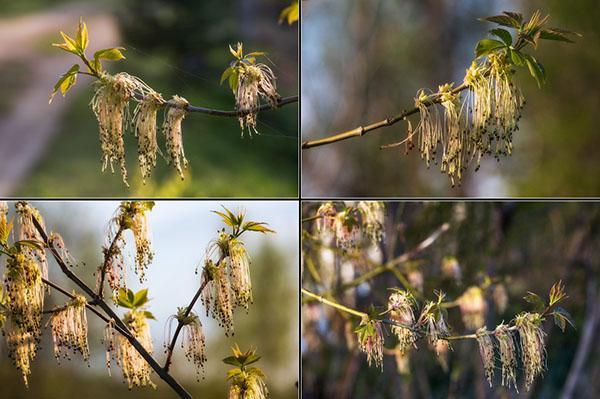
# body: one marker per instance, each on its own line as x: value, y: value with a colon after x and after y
x: 110, y: 104
x: 255, y: 82
x: 131, y: 215
x: 533, y: 349
x: 70, y: 329
x: 370, y: 341
x: 144, y: 122
x: 508, y: 355
x: 173, y: 134
x: 228, y: 282
x: 481, y: 123
x: 136, y: 371
x: 216, y: 296
x: 248, y: 384
x: 193, y: 340
x: 372, y: 219
x: 29, y: 232
x: 24, y: 302
x: 486, y: 350
x: 400, y: 308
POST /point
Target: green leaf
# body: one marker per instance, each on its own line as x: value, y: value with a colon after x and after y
x: 232, y: 360
x: 503, y: 34
x: 518, y: 17
x: 536, y: 70
x: 504, y: 20
x: 65, y: 82
x: 233, y: 80
x: 226, y: 74
x: 70, y: 44
x: 516, y: 57
x: 251, y: 359
x: 255, y: 54
x: 149, y: 315
x: 257, y: 226
x: 557, y: 34
x: 82, y: 36
x: 535, y: 300
x: 486, y: 46
x: 140, y: 298
x: 123, y: 298
x: 111, y: 54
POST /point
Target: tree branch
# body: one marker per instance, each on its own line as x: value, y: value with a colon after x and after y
x: 166, y: 377
x: 363, y: 130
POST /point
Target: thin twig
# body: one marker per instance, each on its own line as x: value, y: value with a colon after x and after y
x: 172, y: 382
x: 363, y: 130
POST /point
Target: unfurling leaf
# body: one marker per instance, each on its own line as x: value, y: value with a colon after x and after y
x: 536, y: 70
x: 503, y: 34
x: 535, y: 300
x: 226, y: 74
x: 257, y: 226
x: 486, y: 46
x: 65, y: 82
x: 111, y: 54
x: 140, y: 298
x: 82, y: 36
x: 504, y: 20
x: 557, y: 34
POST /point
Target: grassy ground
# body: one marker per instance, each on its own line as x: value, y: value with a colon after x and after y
x: 220, y: 162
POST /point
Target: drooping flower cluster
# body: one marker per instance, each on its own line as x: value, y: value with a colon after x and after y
x: 56, y: 241
x: 29, y: 232
x: 433, y: 319
x: 486, y: 350
x: 131, y: 215
x: 451, y: 268
x: 473, y: 308
x: 508, y: 355
x: 136, y: 370
x: 70, y: 329
x: 239, y: 264
x: 24, y: 302
x: 255, y: 82
x: 144, y: 122
x: 193, y: 340
x: 533, y: 349
x: 110, y: 104
x: 482, y: 125
x: 173, y: 134
x: 370, y: 340
x: 400, y: 308
x: 216, y: 296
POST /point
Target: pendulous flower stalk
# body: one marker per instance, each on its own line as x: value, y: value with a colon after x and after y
x: 144, y: 121
x: 533, y: 349
x: 400, y: 309
x: 173, y: 134
x: 255, y: 82
x: 486, y: 350
x: 70, y: 329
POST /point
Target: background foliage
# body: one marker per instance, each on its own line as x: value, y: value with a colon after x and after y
x: 365, y: 60
x: 527, y: 246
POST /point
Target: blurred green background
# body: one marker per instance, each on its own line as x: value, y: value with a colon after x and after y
x: 525, y: 246
x: 181, y: 231
x: 363, y: 61
x: 177, y: 47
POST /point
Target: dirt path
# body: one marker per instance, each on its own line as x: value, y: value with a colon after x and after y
x: 30, y: 123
